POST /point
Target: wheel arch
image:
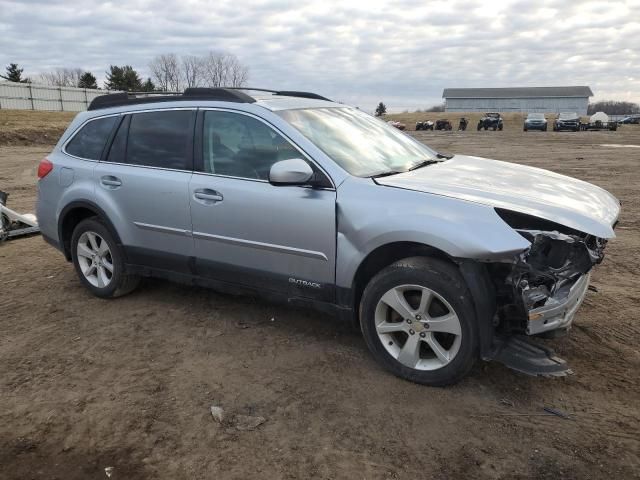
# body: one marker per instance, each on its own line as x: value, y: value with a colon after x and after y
x: 74, y: 213
x: 381, y: 257
x: 474, y: 273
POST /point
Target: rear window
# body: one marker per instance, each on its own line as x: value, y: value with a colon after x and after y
x: 161, y: 139
x: 90, y: 140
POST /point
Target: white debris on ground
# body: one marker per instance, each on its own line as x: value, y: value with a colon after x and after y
x: 217, y: 413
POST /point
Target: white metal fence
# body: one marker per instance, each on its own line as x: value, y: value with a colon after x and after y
x: 26, y: 96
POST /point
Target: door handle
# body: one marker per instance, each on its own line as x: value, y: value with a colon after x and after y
x: 111, y: 181
x: 208, y: 195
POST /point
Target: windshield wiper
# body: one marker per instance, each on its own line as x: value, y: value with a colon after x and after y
x: 386, y: 173
x: 424, y: 163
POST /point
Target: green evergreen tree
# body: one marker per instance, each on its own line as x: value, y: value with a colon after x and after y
x: 14, y: 74
x: 381, y: 109
x: 88, y: 80
x: 148, y: 86
x: 123, y: 78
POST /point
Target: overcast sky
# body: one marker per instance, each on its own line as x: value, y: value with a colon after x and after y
x: 402, y: 52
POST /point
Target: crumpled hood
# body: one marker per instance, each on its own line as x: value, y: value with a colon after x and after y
x: 534, y: 191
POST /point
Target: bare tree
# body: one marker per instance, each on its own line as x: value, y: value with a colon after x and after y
x: 192, y: 69
x: 237, y: 73
x: 216, y: 69
x: 61, y: 77
x: 166, y: 72
x: 224, y: 70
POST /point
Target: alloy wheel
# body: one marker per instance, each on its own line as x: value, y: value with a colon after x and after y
x: 95, y: 259
x: 418, y: 327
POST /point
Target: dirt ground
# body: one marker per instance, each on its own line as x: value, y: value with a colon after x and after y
x: 87, y: 384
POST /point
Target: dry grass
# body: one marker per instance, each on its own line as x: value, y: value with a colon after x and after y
x: 28, y: 127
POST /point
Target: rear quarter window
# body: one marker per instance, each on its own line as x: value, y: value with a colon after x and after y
x: 91, y: 138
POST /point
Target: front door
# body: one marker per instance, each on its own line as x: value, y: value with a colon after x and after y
x: 249, y: 232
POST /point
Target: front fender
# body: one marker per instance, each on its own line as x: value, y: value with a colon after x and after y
x: 370, y: 216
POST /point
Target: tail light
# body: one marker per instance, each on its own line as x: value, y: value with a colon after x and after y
x: 44, y: 168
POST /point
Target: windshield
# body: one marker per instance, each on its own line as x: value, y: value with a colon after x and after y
x: 361, y: 144
x: 568, y: 115
x: 536, y: 116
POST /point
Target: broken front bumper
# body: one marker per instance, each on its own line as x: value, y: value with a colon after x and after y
x: 559, y: 310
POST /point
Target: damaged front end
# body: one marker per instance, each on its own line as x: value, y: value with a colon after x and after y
x: 551, y: 279
x: 540, y: 291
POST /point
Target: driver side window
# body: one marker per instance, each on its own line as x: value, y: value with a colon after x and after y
x: 237, y: 145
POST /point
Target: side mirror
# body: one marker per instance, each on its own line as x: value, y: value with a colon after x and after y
x: 290, y: 172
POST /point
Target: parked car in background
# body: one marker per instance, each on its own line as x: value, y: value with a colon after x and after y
x: 443, y: 124
x: 439, y: 260
x: 631, y: 120
x: 426, y: 125
x: 567, y: 121
x: 535, y: 121
x: 491, y: 120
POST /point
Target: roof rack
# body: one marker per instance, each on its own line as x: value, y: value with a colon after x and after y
x: 230, y: 94
x: 118, y: 99
x: 285, y: 93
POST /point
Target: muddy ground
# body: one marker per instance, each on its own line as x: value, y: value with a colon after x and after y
x: 87, y: 384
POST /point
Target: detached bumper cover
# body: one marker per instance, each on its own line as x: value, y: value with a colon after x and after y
x: 559, y: 310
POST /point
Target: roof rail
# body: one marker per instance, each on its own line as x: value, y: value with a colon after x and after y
x: 119, y: 99
x: 226, y: 94
x: 285, y: 93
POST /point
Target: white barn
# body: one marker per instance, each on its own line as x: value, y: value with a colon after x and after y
x: 525, y: 99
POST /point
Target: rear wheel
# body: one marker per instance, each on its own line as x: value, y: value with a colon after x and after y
x: 417, y: 319
x: 99, y: 261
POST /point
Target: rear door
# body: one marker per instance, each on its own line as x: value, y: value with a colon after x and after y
x: 143, y: 185
x: 249, y: 232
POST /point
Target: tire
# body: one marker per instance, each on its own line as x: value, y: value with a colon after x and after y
x: 524, y: 129
x: 449, y: 295
x: 479, y: 126
x: 544, y: 129
x: 500, y: 127
x: 91, y: 256
x: 486, y: 127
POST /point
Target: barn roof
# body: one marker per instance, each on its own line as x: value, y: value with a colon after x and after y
x: 524, y: 92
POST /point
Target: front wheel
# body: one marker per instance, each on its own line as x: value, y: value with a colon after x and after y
x: 417, y: 319
x: 99, y: 261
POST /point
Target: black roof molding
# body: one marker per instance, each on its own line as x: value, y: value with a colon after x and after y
x: 231, y: 94
x: 119, y: 99
x: 293, y: 93
x: 286, y: 93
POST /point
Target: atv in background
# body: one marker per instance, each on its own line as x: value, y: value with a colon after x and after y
x: 426, y: 125
x: 491, y: 120
x: 398, y: 125
x: 443, y: 124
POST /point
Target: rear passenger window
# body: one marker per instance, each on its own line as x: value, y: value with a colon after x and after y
x: 161, y: 139
x: 90, y: 140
